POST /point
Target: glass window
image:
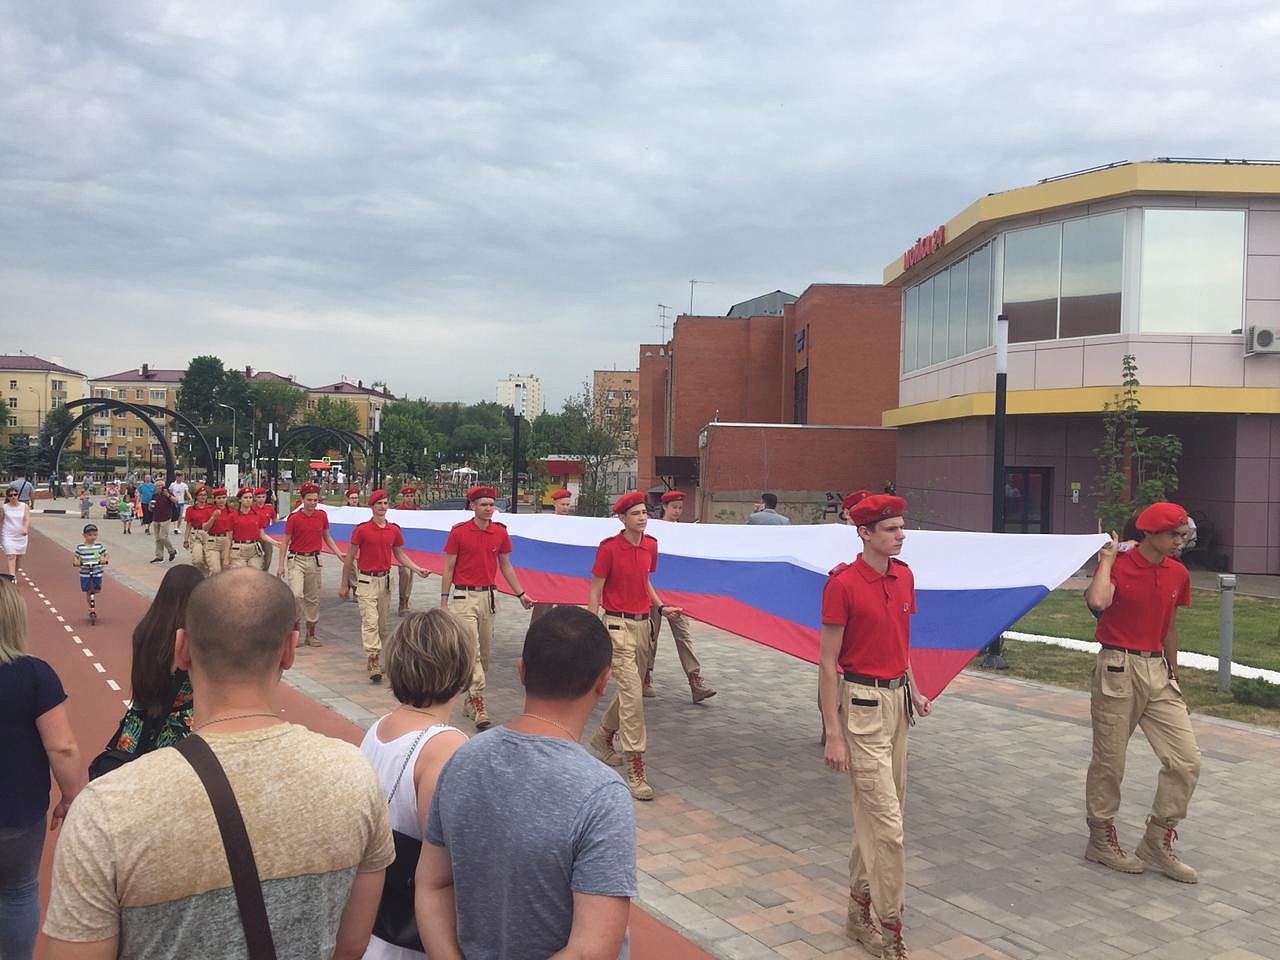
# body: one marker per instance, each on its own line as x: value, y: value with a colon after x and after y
x: 1031, y: 282
x: 910, y: 327
x: 978, y: 308
x: 1192, y: 271
x: 958, y: 276
x: 924, y: 339
x: 138, y: 394
x: 1092, y: 275
x: 13, y: 384
x: 941, y: 294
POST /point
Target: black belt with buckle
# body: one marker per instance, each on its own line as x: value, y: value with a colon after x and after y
x: 626, y: 616
x: 374, y: 573
x: 313, y: 553
x: 458, y: 586
x: 1133, y: 653
x: 893, y: 684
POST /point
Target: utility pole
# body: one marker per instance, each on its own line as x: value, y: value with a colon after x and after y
x: 692, y: 284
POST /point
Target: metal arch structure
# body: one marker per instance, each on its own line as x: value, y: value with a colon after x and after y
x: 312, y: 432
x: 97, y: 405
x: 154, y: 410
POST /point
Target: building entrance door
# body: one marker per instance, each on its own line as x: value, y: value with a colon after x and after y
x: 1027, y: 504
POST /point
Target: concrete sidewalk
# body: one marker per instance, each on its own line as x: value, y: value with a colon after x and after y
x: 744, y: 850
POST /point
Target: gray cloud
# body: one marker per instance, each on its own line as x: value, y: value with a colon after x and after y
x: 437, y: 194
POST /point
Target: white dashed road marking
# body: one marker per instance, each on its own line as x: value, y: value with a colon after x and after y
x: 100, y: 668
x: 67, y: 627
x: 113, y: 685
x: 86, y: 651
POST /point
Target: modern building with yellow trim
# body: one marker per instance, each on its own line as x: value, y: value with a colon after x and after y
x: 1175, y: 262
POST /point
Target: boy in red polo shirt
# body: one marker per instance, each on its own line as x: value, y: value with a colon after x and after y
x: 866, y: 631
x: 408, y: 501
x: 376, y: 546
x: 474, y: 552
x: 672, y: 510
x: 306, y: 534
x: 620, y: 586
x: 1135, y: 683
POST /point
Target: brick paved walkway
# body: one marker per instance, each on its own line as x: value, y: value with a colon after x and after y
x: 745, y: 849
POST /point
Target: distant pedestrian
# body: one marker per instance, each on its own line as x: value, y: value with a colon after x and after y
x: 21, y: 484
x: 866, y: 627
x: 35, y: 728
x: 428, y: 663
x: 766, y: 512
x: 90, y: 558
x: 14, y: 530
x: 146, y: 493
x: 1135, y: 683
x: 162, y: 507
x: 530, y: 843
x: 699, y: 689
x: 178, y: 488
x: 141, y: 871
x: 55, y: 486
x: 86, y: 503
x: 408, y: 501
x: 125, y: 510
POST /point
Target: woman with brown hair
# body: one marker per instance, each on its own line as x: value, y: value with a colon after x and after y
x: 160, y: 714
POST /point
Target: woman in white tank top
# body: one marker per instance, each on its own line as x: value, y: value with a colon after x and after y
x: 428, y: 662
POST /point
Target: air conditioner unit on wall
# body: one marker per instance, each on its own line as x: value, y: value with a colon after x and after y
x: 1261, y: 339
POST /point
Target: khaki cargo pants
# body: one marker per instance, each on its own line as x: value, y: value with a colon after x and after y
x: 475, y: 608
x: 304, y: 581
x: 212, y: 552
x: 373, y: 597
x: 406, y: 584
x: 1130, y: 691
x: 200, y: 551
x: 680, y: 633
x: 878, y: 720
x: 247, y: 555
x: 632, y: 659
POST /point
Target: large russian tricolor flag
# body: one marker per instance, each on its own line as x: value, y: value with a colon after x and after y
x: 765, y: 582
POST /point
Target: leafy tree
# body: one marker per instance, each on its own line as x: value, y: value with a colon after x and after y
x: 235, y: 394
x: 1135, y: 469
x: 57, y: 420
x: 405, y: 436
x: 276, y: 403
x: 334, y: 414
x: 201, y: 389
x: 581, y: 430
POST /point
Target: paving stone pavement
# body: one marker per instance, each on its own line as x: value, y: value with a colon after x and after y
x: 745, y: 849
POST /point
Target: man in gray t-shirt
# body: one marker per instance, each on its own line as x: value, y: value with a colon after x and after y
x: 531, y: 841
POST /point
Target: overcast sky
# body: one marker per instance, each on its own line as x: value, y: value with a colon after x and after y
x: 437, y: 194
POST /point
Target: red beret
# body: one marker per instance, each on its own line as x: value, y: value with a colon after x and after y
x: 242, y: 491
x: 408, y: 488
x: 220, y: 491
x: 376, y: 496
x: 1160, y: 517
x: 881, y: 506
x: 561, y: 495
x: 259, y: 491
x: 855, y: 497
x: 479, y: 493
x: 309, y: 488
x: 627, y: 501
x: 353, y: 491
x: 200, y: 489
x: 671, y: 496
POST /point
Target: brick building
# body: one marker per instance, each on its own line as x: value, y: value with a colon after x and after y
x: 790, y: 402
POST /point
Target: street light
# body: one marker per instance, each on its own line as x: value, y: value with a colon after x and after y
x: 227, y: 406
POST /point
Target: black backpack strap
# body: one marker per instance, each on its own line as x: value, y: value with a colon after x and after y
x: 235, y: 841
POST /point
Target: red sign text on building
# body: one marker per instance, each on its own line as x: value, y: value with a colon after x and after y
x: 924, y: 246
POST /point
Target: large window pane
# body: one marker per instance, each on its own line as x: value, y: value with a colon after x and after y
x: 910, y: 325
x: 941, y: 294
x: 958, y: 275
x: 978, y: 312
x: 1092, y: 274
x: 1192, y: 271
x: 1031, y: 283
x: 925, y: 338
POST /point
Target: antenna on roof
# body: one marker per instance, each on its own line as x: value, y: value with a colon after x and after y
x: 663, y: 310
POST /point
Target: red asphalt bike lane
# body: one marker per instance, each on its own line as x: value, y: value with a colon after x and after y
x: 93, y: 663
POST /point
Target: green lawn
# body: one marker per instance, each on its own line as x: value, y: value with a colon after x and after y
x: 1256, y: 636
x: 1070, y: 668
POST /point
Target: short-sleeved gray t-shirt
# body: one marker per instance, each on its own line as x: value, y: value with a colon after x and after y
x: 528, y: 821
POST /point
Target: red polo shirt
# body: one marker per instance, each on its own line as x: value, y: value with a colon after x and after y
x: 247, y: 526
x: 377, y: 545
x: 197, y: 516
x: 875, y: 611
x: 268, y: 513
x: 306, y: 533
x: 625, y: 567
x: 477, y: 552
x: 406, y: 506
x: 222, y: 524
x: 1143, y: 606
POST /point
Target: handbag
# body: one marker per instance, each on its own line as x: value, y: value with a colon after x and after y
x: 235, y: 843
x: 396, y: 922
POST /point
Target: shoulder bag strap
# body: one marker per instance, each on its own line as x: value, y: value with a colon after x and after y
x: 235, y: 840
x: 407, y: 757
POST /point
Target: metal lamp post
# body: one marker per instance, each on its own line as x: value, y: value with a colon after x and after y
x: 994, y: 660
